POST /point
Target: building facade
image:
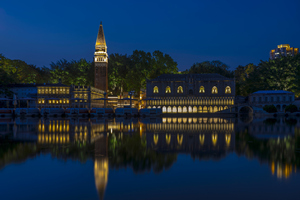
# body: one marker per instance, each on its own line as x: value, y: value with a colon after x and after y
x: 283, y: 50
x: 101, y: 61
x: 191, y: 93
x: 279, y: 98
x: 53, y: 95
x: 87, y: 96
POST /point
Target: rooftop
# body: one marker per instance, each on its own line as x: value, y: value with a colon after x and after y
x: 183, y: 77
x: 272, y: 92
x: 34, y: 85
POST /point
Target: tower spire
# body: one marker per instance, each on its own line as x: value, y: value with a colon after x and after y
x: 100, y: 37
x: 101, y: 61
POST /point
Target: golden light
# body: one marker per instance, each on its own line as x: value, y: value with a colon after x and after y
x: 179, y: 139
x: 214, y: 138
x: 168, y: 138
x: 155, y: 138
x: 201, y: 139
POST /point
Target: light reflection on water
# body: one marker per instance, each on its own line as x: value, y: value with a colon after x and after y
x: 152, y: 144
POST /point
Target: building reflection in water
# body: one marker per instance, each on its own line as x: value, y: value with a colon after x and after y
x: 191, y: 135
x: 282, y: 171
x: 101, y: 166
x: 200, y: 137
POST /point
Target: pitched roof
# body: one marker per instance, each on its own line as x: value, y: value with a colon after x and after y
x: 272, y: 92
x: 100, y: 37
x: 34, y: 85
x: 183, y: 77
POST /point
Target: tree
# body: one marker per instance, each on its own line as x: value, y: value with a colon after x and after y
x: 270, y: 108
x: 211, y: 67
x: 291, y: 108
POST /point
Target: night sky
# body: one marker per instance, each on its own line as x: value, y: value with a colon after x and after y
x: 235, y: 32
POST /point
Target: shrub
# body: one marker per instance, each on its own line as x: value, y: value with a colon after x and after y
x: 270, y: 108
x: 291, y: 108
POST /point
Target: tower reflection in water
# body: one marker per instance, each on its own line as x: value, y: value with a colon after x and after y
x: 107, y: 142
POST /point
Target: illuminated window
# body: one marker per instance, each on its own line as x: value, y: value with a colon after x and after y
x: 68, y: 91
x: 40, y: 101
x: 174, y: 109
x: 155, y: 89
x: 168, y: 89
x: 164, y: 109
x: 179, y: 109
x: 184, y: 109
x: 190, y: 109
x: 67, y: 101
x: 43, y: 101
x: 227, y: 90
x: 60, y: 101
x: 169, y: 109
x: 200, y: 109
x: 39, y: 91
x: 49, y: 101
x: 194, y: 109
x: 215, y: 109
x: 179, y: 89
x: 202, y: 90
x: 46, y: 91
x: 214, y: 90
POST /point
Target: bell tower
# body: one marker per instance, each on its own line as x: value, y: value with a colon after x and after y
x: 101, y: 61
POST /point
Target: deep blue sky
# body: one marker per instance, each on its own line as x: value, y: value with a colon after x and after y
x: 234, y: 31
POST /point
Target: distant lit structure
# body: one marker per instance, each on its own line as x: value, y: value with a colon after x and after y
x: 53, y: 95
x: 191, y: 93
x: 283, y: 50
x: 86, y: 96
x: 279, y: 98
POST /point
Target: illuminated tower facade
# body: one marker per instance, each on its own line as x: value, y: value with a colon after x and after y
x: 101, y: 61
x: 283, y: 50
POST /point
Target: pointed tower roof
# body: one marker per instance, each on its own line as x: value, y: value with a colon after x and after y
x: 100, y: 37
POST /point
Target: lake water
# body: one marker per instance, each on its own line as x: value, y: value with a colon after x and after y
x: 160, y: 158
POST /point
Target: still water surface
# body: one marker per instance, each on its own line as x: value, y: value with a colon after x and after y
x: 163, y: 158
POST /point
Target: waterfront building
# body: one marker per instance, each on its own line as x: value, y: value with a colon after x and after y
x: 279, y: 98
x: 53, y: 95
x: 101, y: 61
x: 86, y: 96
x: 191, y: 93
x: 283, y: 50
x: 22, y: 91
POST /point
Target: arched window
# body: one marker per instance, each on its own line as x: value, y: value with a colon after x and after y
x: 214, y: 90
x: 155, y: 89
x: 174, y: 109
x: 179, y: 89
x: 168, y: 89
x: 194, y: 109
x: 179, y: 109
x: 164, y: 109
x: 202, y: 90
x: 227, y: 90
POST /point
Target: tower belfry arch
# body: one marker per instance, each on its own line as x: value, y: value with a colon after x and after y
x: 101, y: 61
